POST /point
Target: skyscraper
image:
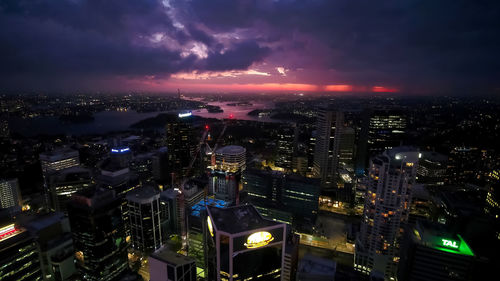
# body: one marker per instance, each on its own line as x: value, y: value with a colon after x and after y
x: 387, y: 129
x: 58, y: 159
x: 242, y: 245
x: 98, y: 234
x: 346, y: 148
x: 285, y: 146
x: 326, y: 153
x: 387, y: 206
x: 10, y: 195
x: 431, y: 252
x: 225, y: 176
x: 19, y: 259
x: 180, y: 142
x: 145, y: 220
x: 63, y: 183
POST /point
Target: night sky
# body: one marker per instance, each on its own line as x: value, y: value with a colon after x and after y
x: 411, y: 47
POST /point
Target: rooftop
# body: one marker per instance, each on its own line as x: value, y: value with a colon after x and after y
x: 165, y: 255
x: 231, y: 149
x: 143, y: 194
x: 437, y: 236
x: 246, y: 216
x: 317, y: 266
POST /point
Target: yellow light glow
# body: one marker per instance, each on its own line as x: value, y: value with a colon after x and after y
x: 259, y: 239
x: 210, y: 227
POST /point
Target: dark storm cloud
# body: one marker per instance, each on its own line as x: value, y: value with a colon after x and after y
x: 439, y: 45
x: 61, y: 39
x: 447, y: 42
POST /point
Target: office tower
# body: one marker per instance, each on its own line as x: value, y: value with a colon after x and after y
x: 53, y: 240
x: 120, y: 156
x: 173, y: 212
x: 362, y: 132
x: 225, y: 176
x: 181, y: 144
x: 290, y: 262
x: 326, y: 153
x: 431, y: 252
x: 432, y: 168
x: 231, y: 158
x: 242, y: 244
x: 143, y: 206
x: 63, y: 183
x: 386, y: 130
x: 492, y: 207
x: 299, y: 165
x: 197, y: 221
x: 59, y: 159
x: 280, y: 196
x: 346, y: 148
x: 10, y: 195
x: 285, y: 146
x: 316, y: 268
x: 161, y: 169
x: 168, y: 265
x: 98, y: 234
x: 387, y: 206
x: 19, y: 258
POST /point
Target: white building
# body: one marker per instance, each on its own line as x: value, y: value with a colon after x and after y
x: 387, y: 206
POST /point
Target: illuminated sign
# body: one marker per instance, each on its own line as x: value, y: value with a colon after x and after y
x: 187, y: 114
x: 258, y: 239
x: 7, y: 231
x: 210, y: 227
x: 453, y: 244
x: 121, y: 150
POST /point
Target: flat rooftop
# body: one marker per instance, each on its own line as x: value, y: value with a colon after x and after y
x: 239, y: 219
x: 231, y: 150
x: 143, y: 194
x: 170, y: 257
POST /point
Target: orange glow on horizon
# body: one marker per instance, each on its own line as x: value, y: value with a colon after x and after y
x: 379, y: 89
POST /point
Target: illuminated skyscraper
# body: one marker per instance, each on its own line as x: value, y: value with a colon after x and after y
x: 492, y: 207
x: 326, y: 153
x: 98, y: 234
x: 145, y: 220
x: 286, y: 141
x: 387, y: 129
x: 346, y: 148
x: 59, y: 159
x: 19, y: 259
x: 180, y: 142
x: 244, y: 246
x: 10, y: 195
x: 387, y: 206
x: 430, y: 252
x: 225, y: 177
x: 63, y: 183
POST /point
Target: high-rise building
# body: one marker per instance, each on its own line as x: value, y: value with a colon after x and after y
x: 10, y: 195
x: 431, y: 252
x: 432, y: 168
x: 161, y: 169
x: 387, y: 206
x: 59, y: 159
x: 492, y: 207
x: 242, y: 245
x: 19, y: 257
x: 386, y: 130
x: 326, y: 153
x: 121, y: 156
x: 145, y: 219
x: 231, y: 158
x: 225, y: 176
x: 285, y: 146
x: 346, y: 148
x: 274, y: 194
x: 166, y: 265
x: 98, y: 234
x: 63, y: 183
x: 54, y: 244
x: 180, y: 142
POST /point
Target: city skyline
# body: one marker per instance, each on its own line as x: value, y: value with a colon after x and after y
x: 415, y: 47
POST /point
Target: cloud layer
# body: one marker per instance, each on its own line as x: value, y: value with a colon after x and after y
x: 416, y: 46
